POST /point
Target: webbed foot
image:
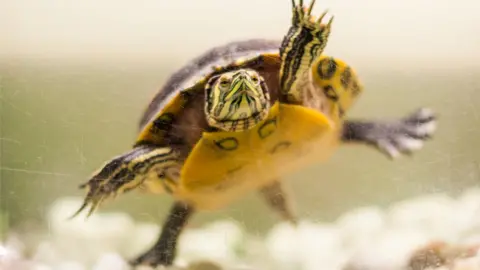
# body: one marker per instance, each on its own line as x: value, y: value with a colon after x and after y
x: 395, y: 137
x: 126, y: 172
x: 303, y: 43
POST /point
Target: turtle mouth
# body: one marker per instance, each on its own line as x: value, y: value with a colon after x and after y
x: 242, y: 123
x: 253, y: 113
x: 242, y: 117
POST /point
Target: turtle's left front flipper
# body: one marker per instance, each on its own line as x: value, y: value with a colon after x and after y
x: 393, y: 137
x: 305, y: 41
x: 141, y: 166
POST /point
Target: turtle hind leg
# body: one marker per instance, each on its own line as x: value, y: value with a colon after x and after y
x: 163, y: 252
x: 127, y: 172
x: 276, y: 197
x: 393, y: 137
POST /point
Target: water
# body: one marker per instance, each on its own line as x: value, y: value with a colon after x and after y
x: 73, y: 91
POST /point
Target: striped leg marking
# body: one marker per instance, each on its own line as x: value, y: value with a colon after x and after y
x: 304, y: 42
x: 127, y: 172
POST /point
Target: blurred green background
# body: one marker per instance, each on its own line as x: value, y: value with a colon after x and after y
x: 76, y: 75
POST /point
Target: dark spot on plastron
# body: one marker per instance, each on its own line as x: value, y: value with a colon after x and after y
x: 227, y: 144
x: 330, y: 92
x: 267, y: 128
x: 346, y: 77
x: 327, y: 68
x: 280, y: 146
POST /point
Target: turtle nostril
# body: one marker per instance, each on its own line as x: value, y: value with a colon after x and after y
x: 242, y: 75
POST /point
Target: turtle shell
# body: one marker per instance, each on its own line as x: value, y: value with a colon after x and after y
x: 291, y: 137
x: 175, y: 115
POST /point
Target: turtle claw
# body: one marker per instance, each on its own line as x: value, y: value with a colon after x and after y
x: 302, y: 18
x: 114, y: 177
x: 99, y: 190
x: 407, y: 135
x: 127, y: 172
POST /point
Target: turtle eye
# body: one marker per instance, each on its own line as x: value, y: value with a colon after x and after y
x: 255, y: 79
x: 224, y: 83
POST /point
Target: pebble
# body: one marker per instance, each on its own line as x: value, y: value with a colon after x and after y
x: 361, y: 226
x: 366, y: 238
x: 111, y: 261
x: 217, y: 241
x: 70, y: 266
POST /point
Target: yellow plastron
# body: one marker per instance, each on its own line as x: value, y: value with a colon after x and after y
x: 224, y: 165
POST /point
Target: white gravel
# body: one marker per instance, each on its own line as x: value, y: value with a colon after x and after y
x: 367, y: 238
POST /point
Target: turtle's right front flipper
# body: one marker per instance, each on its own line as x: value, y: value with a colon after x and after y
x: 141, y: 166
x: 393, y: 137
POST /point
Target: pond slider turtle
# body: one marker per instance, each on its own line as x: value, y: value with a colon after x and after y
x: 240, y: 117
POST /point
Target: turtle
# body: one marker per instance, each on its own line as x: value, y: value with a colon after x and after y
x: 241, y: 116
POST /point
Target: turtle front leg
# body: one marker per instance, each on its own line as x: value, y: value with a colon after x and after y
x: 393, y: 137
x: 163, y: 251
x: 150, y: 167
x: 303, y: 43
x: 153, y: 168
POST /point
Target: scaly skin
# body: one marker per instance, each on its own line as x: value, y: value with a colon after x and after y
x: 304, y: 42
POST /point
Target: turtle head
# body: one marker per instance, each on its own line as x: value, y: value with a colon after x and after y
x: 236, y: 100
